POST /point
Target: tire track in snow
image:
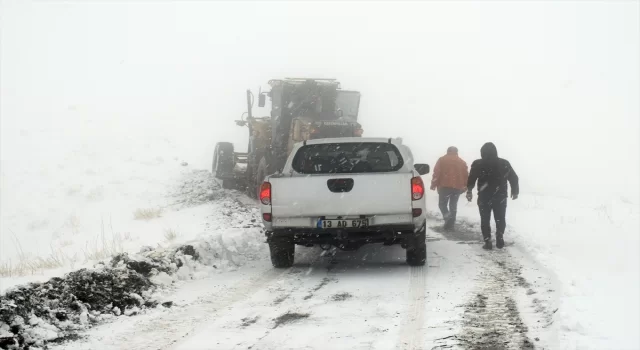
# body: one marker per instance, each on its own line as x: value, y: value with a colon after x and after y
x: 164, y: 331
x: 245, y: 291
x: 492, y: 319
x: 241, y: 292
x: 411, y: 335
x: 312, y: 257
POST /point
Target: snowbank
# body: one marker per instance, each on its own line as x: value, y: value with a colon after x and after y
x: 56, y: 310
x: 38, y: 313
x: 223, y: 233
x: 193, y: 206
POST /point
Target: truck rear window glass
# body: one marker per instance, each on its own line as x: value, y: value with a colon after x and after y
x: 341, y: 158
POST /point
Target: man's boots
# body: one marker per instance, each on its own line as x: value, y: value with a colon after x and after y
x: 448, y: 224
x: 487, y: 244
x: 499, y: 241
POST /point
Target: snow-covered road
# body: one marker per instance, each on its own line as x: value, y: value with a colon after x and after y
x: 367, y: 299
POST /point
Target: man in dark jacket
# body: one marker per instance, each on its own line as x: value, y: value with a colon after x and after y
x: 492, y: 174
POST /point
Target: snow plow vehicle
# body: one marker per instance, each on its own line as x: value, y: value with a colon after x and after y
x: 301, y: 109
x: 346, y: 192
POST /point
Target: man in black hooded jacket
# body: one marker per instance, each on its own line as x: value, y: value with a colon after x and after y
x: 492, y: 174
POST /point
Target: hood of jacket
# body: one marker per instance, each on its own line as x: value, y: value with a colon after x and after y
x: 489, y: 151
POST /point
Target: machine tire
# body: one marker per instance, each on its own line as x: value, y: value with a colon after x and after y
x: 223, y: 163
x: 282, y: 252
x: 261, y: 173
x: 229, y: 184
x: 417, y: 249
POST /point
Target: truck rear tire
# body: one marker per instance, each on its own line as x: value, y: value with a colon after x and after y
x: 417, y: 249
x: 282, y: 252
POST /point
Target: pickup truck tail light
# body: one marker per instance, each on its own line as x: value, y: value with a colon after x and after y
x: 265, y: 193
x: 417, y: 188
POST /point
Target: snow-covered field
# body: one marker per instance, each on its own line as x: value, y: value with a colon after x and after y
x: 90, y: 193
x: 108, y: 118
x: 565, y: 292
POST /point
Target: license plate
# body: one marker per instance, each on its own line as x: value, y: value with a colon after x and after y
x: 348, y: 223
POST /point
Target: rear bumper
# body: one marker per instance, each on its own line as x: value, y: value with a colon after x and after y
x: 343, y: 238
x: 377, y: 223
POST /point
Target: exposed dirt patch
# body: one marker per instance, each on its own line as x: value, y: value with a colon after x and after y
x: 67, y: 339
x: 514, y: 270
x: 280, y: 299
x: 288, y: 318
x: 195, y: 188
x: 341, y: 296
x: 479, y: 302
x: 462, y: 232
x: 323, y: 283
x: 248, y: 321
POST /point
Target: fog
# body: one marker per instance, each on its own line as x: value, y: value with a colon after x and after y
x: 555, y: 86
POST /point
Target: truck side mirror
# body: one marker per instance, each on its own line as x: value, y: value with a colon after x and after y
x: 262, y: 98
x: 421, y: 168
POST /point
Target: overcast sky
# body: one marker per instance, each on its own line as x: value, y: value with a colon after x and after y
x: 555, y: 85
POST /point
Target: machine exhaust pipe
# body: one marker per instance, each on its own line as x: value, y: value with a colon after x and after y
x: 249, y: 104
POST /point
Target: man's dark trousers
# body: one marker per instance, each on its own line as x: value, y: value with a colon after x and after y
x: 497, y: 205
x: 448, y: 203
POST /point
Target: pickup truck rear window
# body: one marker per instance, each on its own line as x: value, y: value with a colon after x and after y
x: 341, y: 158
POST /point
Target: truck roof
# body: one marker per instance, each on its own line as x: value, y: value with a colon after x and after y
x: 354, y: 140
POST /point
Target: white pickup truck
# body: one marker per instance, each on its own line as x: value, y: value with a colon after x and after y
x: 346, y: 192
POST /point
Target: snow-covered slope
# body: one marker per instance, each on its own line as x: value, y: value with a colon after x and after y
x: 80, y: 188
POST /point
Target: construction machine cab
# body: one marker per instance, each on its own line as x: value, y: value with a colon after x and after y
x: 304, y: 109
x: 301, y: 109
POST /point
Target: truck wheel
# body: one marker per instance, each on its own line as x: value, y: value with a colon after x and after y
x: 417, y: 249
x: 261, y: 173
x: 282, y: 252
x: 222, y: 165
